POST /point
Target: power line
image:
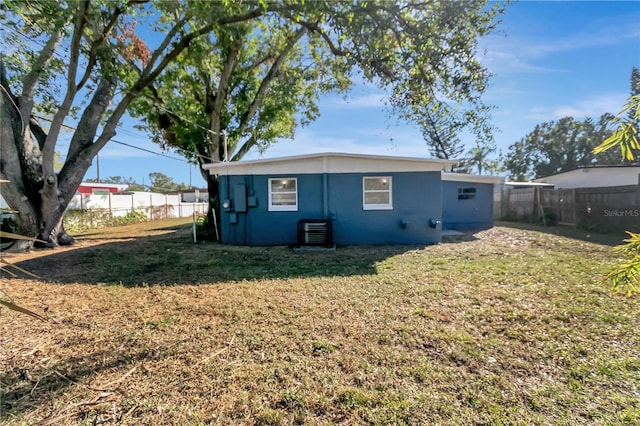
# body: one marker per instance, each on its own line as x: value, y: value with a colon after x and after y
x: 185, y: 119
x: 40, y: 43
x: 123, y: 143
x: 223, y: 133
x: 131, y: 132
x: 149, y: 151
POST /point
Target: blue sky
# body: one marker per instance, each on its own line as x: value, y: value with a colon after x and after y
x: 549, y: 60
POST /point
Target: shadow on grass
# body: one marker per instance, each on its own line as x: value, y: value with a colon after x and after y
x: 29, y: 390
x: 172, y: 258
x: 612, y: 239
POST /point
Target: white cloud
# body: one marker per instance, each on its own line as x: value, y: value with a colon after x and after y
x: 400, y: 141
x: 592, y: 107
x: 607, y: 36
x: 520, y: 54
x: 503, y: 62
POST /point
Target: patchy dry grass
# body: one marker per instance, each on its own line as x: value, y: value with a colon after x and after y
x: 509, y: 327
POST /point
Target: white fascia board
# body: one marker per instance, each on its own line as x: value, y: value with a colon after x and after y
x: 464, y: 177
x: 328, y: 163
x: 528, y: 184
x: 119, y: 186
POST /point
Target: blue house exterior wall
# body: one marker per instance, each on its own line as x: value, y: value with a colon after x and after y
x: 417, y: 199
x: 474, y: 213
x: 259, y: 226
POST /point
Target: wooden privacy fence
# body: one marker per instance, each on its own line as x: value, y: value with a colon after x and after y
x: 606, y: 210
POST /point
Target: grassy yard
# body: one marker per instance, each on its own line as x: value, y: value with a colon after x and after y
x: 507, y: 327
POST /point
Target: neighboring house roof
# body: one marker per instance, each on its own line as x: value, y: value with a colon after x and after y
x: 328, y: 163
x: 528, y: 184
x: 104, y: 185
x: 594, y: 177
x: 465, y: 177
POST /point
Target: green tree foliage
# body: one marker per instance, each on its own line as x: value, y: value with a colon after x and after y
x: 478, y: 160
x: 251, y: 91
x: 160, y: 182
x: 83, y: 60
x: 440, y: 128
x: 87, y: 60
x: 626, y: 275
x: 120, y: 180
x: 441, y: 125
x: 558, y: 146
x: 238, y: 90
x: 627, y: 125
x: 633, y: 115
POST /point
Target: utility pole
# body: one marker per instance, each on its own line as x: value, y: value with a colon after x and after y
x: 98, y: 167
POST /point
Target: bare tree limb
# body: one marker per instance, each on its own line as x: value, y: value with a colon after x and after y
x: 30, y: 80
x: 165, y: 42
x: 37, y: 132
x: 314, y: 28
x: 48, y: 150
x: 264, y: 87
x: 221, y: 92
x: 92, y: 55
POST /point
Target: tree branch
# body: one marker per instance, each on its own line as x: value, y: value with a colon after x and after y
x: 37, y: 132
x: 271, y: 7
x: 266, y: 81
x: 165, y: 42
x: 92, y: 56
x: 30, y: 80
x: 90, y: 119
x: 48, y: 151
x: 150, y: 73
x: 244, y: 149
x: 74, y: 49
x: 314, y: 28
x: 81, y: 144
x: 221, y: 92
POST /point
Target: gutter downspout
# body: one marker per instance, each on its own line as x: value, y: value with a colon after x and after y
x: 325, y: 189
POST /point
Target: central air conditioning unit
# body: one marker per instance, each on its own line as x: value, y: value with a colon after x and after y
x: 315, y: 232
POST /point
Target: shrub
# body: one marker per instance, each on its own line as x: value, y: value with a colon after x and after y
x: 77, y: 221
x: 626, y: 275
x: 134, y: 216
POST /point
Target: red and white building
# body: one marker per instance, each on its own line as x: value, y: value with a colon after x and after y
x: 93, y: 188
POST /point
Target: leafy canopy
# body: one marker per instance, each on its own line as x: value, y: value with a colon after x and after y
x: 558, y: 146
x: 627, y: 124
x: 256, y: 89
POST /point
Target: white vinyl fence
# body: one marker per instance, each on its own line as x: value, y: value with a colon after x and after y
x: 155, y: 206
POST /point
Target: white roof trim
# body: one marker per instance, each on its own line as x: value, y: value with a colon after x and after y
x: 105, y: 185
x: 328, y: 163
x: 595, y: 169
x: 530, y: 184
x: 465, y: 177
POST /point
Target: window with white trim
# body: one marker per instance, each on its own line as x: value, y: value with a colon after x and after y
x: 376, y: 193
x: 283, y: 194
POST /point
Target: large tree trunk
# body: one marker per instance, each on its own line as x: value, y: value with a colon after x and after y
x: 52, y: 210
x: 212, y: 224
x: 35, y: 190
x: 39, y: 195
